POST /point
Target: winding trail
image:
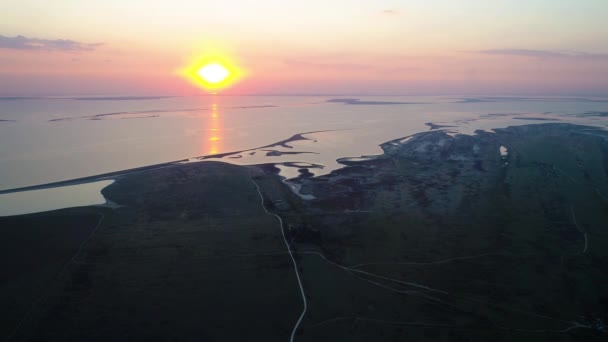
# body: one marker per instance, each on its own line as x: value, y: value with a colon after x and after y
x: 571, y: 324
x: 358, y: 273
x: 438, y: 262
x: 293, y: 260
x: 354, y: 270
x: 382, y: 321
x: 581, y: 230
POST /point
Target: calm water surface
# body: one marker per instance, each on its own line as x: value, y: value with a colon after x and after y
x: 49, y: 140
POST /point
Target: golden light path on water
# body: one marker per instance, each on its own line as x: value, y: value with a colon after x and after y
x: 213, y: 140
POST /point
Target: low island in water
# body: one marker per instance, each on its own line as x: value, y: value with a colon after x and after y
x: 493, y: 236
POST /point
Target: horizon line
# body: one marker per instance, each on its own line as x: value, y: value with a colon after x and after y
x: 157, y: 96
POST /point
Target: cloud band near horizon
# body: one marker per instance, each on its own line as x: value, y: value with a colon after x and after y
x: 543, y: 53
x: 25, y: 43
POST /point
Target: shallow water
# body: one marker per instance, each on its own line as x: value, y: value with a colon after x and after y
x: 51, y: 140
x: 33, y: 201
x: 504, y: 152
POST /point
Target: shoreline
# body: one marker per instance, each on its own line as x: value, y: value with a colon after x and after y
x: 345, y: 161
x: 117, y: 174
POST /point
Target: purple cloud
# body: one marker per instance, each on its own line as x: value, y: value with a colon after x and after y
x: 544, y: 53
x: 25, y: 43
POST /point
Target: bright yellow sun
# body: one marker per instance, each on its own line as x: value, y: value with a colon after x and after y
x: 213, y: 73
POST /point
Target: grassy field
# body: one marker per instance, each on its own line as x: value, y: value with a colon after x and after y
x: 35, y: 250
x: 443, y: 239
x: 190, y: 256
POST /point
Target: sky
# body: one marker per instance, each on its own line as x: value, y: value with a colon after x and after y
x: 401, y: 47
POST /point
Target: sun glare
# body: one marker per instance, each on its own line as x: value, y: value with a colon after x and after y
x: 213, y: 73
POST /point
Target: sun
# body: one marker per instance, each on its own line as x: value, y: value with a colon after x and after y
x: 213, y: 73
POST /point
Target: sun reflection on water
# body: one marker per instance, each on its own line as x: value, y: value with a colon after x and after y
x: 213, y: 139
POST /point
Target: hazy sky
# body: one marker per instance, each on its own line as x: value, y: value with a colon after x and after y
x: 67, y: 47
